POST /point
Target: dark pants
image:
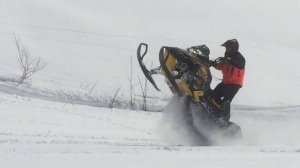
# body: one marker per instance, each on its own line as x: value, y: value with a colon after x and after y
x: 225, y: 92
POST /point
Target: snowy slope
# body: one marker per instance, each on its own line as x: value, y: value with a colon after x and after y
x: 92, y: 42
x: 57, y: 118
x: 38, y: 133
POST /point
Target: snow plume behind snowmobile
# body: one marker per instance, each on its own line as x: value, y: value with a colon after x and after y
x: 176, y: 125
x: 189, y: 78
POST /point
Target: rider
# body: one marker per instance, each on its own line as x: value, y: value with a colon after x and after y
x: 232, y: 66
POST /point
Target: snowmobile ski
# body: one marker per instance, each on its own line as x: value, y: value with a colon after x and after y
x: 146, y: 72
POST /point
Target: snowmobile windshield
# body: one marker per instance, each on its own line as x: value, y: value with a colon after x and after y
x: 197, y: 53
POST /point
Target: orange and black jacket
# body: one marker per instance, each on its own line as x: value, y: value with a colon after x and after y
x: 233, y: 68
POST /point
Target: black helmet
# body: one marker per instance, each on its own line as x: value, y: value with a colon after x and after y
x: 200, y: 51
x: 233, y: 44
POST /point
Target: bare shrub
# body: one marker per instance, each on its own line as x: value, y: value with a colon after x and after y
x: 28, y: 64
x: 131, y: 89
x: 144, y: 93
x: 113, y: 99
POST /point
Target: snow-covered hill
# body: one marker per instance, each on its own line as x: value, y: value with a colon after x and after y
x: 57, y: 118
x: 39, y: 133
x: 92, y: 42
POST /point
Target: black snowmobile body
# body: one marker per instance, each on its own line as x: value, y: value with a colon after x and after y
x: 189, y: 77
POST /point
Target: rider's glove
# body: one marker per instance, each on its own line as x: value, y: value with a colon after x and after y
x: 212, y: 63
x: 222, y: 60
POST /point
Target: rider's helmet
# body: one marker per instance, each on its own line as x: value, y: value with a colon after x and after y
x: 200, y: 51
x: 233, y: 44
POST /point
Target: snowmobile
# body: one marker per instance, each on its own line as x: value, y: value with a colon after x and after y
x: 188, y: 77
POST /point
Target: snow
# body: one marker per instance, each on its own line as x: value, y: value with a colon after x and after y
x: 39, y: 133
x: 58, y: 118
